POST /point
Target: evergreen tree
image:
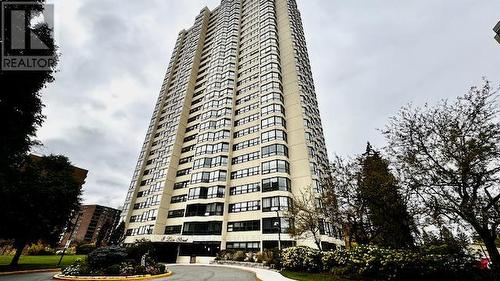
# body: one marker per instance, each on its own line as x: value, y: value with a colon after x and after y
x: 118, y: 234
x: 391, y: 223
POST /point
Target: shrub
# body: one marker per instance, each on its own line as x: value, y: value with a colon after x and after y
x: 79, y: 267
x: 239, y: 256
x: 106, y: 256
x: 225, y: 255
x: 40, y: 249
x: 84, y: 249
x: 333, y: 259
x: 112, y: 270
x: 139, y: 249
x: 302, y: 258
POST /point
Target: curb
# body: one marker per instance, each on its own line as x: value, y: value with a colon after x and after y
x: 30, y: 271
x: 110, y: 278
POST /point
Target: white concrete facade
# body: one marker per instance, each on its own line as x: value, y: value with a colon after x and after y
x: 234, y: 134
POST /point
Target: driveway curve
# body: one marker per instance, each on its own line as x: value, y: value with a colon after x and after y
x: 209, y: 273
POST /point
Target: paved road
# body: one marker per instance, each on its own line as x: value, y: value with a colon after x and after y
x: 209, y: 273
x: 181, y: 273
x: 41, y: 276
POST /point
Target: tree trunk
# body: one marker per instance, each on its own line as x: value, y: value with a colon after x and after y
x: 491, y: 247
x: 19, y: 250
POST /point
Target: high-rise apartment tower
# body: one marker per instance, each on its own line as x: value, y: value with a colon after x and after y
x: 235, y: 133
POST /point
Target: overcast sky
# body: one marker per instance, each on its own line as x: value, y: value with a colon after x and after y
x: 368, y: 59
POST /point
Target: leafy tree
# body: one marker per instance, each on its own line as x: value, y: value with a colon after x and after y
x: 21, y: 115
x: 21, y: 109
x: 306, y: 216
x: 118, y: 235
x: 449, y: 155
x: 378, y: 188
x: 41, y: 202
x: 349, y: 208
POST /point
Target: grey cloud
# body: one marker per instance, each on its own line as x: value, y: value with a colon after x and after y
x: 368, y: 59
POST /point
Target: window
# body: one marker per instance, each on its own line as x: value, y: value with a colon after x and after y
x: 247, y: 108
x: 246, y: 188
x: 245, y: 157
x: 212, y: 209
x: 245, y: 144
x: 213, y: 136
x: 175, y: 213
x: 219, y: 175
x: 212, y: 148
x: 271, y: 97
x: 275, y: 166
x: 178, y: 198
x: 173, y: 229
x: 274, y: 149
x: 210, y: 162
x: 272, y: 225
x: 243, y: 225
x: 245, y: 173
x: 243, y: 246
x: 190, y: 138
x: 183, y: 172
x: 206, y: 192
x: 276, y: 183
x: 273, y: 135
x: 187, y: 148
x: 202, y: 228
x: 272, y: 108
x: 185, y: 160
x: 280, y: 203
x: 246, y: 131
x: 247, y: 119
x: 244, y: 206
x: 273, y: 121
x: 182, y: 184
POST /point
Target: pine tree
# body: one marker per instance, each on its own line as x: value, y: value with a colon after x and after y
x: 391, y: 223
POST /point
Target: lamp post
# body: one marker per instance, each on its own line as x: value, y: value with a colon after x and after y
x: 278, y: 226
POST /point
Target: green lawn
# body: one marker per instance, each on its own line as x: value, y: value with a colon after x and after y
x: 304, y: 276
x: 37, y: 262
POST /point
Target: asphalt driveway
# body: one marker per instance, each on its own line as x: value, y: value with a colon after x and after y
x: 180, y: 273
x: 209, y: 273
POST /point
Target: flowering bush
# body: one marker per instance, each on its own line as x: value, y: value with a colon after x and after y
x: 302, y: 259
x: 40, y: 249
x: 112, y: 261
x: 266, y: 257
x: 385, y: 264
x: 332, y: 259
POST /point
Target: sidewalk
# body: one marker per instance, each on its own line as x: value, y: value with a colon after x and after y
x: 262, y: 274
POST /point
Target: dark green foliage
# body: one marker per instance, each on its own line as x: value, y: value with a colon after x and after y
x: 115, y: 260
x: 21, y: 111
x: 378, y: 188
x: 103, y: 232
x: 84, y: 249
x: 140, y: 248
x: 20, y: 117
x: 118, y: 234
x: 40, y: 202
x: 112, y: 270
x: 106, y: 256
